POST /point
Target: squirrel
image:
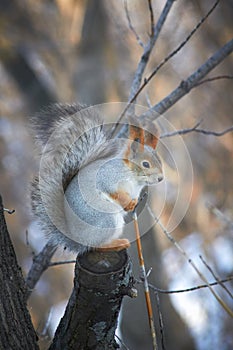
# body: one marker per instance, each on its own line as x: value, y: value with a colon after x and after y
x: 87, y: 183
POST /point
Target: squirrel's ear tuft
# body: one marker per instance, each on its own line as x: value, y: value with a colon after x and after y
x: 151, y: 133
x: 136, y: 132
x: 151, y: 139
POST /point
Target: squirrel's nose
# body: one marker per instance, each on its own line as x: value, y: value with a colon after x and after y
x: 160, y: 178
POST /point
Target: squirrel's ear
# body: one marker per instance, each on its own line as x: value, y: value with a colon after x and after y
x: 145, y: 132
x: 152, y: 136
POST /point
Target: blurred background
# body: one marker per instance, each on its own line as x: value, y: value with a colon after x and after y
x: 77, y: 50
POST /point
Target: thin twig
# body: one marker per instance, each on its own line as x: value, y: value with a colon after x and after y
x: 161, y: 326
x: 190, y: 261
x: 40, y: 264
x: 45, y: 331
x: 214, y: 133
x: 219, y: 77
x: 145, y: 281
x: 187, y: 290
x: 198, y: 130
x: 181, y: 132
x: 131, y: 27
x: 227, y: 221
x: 152, y: 24
x: 216, y: 277
x: 57, y: 263
x: 122, y: 343
x: 148, y: 100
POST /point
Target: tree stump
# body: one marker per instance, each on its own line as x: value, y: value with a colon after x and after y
x: 101, y: 281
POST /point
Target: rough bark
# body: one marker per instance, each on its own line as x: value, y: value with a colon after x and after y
x: 101, y: 280
x: 16, y: 329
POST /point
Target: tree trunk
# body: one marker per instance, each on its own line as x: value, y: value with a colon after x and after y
x: 16, y: 329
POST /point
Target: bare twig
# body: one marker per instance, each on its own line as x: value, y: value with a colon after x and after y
x: 214, y: 133
x: 40, y: 263
x: 181, y: 132
x: 57, y: 263
x: 122, y: 343
x: 191, y: 289
x: 198, y: 130
x: 131, y: 27
x: 219, y: 77
x: 152, y: 24
x: 148, y: 99
x: 145, y: 282
x: 190, y: 261
x: 222, y: 217
x: 161, y: 326
x: 45, y: 331
x: 216, y: 277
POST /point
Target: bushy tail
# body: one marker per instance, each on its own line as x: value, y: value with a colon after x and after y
x: 69, y: 137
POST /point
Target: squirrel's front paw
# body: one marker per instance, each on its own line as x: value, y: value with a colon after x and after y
x: 131, y: 205
x: 116, y: 245
x: 124, y: 199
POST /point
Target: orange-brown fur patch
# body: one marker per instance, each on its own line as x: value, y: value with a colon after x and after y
x: 124, y: 199
x: 151, y: 140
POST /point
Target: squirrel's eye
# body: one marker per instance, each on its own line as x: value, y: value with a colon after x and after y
x: 145, y: 164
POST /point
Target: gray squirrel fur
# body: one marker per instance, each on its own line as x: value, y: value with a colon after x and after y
x: 75, y: 196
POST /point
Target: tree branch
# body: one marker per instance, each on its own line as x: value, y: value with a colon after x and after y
x: 182, y: 89
x: 135, y: 87
x: 148, y: 49
x: 187, y: 85
x: 198, y: 130
x: 40, y: 263
x: 174, y: 52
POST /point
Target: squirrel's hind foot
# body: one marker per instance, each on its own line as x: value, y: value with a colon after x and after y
x: 115, y: 245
